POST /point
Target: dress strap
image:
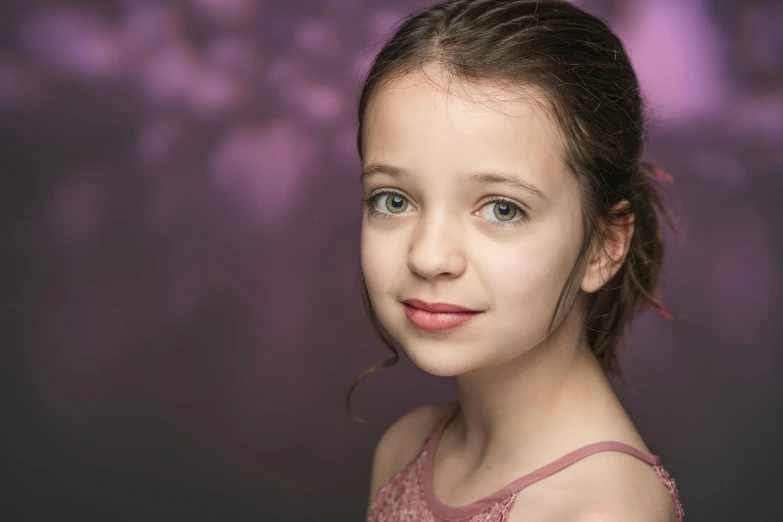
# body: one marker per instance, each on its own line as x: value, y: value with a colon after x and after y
x: 577, y: 455
x: 463, y: 512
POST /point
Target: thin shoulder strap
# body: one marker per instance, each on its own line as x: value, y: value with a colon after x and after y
x: 456, y: 513
x: 574, y: 457
x: 564, y: 461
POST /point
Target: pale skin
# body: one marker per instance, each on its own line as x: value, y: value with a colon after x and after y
x: 526, y: 397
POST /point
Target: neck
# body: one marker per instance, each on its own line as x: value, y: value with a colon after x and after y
x: 549, y: 400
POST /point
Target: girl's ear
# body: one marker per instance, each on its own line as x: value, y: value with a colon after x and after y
x: 608, y: 255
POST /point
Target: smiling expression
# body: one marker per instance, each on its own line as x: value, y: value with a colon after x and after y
x: 469, y: 202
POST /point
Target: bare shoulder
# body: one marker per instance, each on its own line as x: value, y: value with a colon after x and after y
x: 621, y: 487
x: 401, y: 441
x: 608, y: 487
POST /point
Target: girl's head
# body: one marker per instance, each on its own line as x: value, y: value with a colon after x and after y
x: 501, y: 145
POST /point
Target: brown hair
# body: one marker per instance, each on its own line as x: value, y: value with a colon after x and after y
x: 593, y: 96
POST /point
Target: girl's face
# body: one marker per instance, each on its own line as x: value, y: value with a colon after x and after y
x: 473, y: 206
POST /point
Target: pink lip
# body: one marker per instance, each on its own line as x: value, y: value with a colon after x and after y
x: 436, y: 307
x: 437, y: 316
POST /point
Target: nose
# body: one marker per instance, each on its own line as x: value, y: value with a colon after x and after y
x: 436, y: 250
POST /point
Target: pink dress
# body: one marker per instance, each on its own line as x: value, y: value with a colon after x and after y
x: 409, y: 495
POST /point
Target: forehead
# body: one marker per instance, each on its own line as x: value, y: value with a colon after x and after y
x: 427, y: 121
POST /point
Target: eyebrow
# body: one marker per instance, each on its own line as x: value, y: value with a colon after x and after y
x: 482, y: 178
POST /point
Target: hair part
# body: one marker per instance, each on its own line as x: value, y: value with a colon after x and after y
x: 591, y: 94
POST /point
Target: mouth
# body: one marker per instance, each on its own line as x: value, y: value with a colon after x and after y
x: 437, y: 316
x: 437, y: 307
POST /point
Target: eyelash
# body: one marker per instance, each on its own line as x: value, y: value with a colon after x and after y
x: 369, y: 204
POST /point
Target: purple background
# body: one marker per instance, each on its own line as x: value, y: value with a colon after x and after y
x: 181, y: 314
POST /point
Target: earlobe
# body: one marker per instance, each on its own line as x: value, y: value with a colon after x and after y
x: 609, y: 254
x: 591, y: 279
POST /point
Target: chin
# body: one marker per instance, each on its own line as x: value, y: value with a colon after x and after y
x: 440, y: 353
x: 439, y: 360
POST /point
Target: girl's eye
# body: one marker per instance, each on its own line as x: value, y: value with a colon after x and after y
x: 387, y: 203
x: 503, y: 213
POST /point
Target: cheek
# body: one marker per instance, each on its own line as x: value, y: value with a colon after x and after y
x: 378, y: 260
x: 530, y: 277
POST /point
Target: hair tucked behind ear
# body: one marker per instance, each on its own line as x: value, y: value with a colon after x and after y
x: 591, y: 93
x: 632, y: 289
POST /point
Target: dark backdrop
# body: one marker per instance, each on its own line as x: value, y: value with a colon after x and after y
x: 180, y: 307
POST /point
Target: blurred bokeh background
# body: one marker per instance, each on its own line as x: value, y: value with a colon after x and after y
x: 181, y: 315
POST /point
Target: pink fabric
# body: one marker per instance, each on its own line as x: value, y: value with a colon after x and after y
x: 409, y: 495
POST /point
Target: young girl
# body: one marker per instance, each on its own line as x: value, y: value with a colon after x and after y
x: 509, y: 235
